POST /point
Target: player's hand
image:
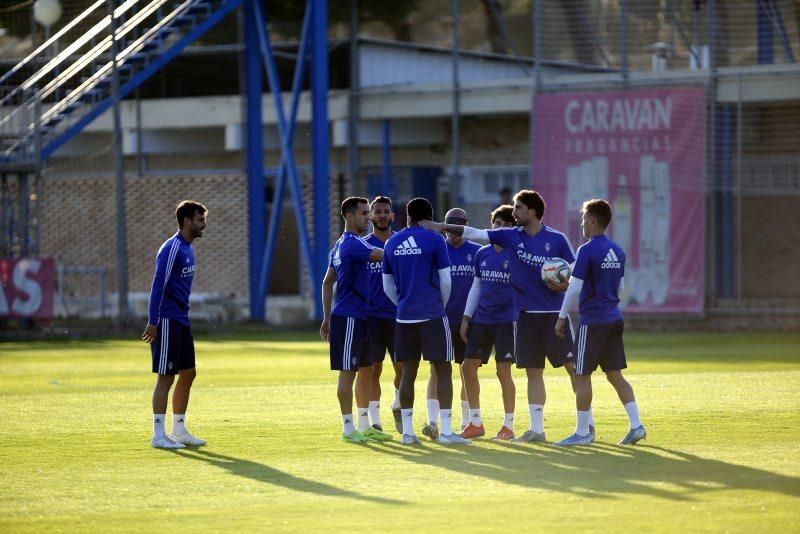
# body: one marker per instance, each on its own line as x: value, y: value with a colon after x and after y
x: 149, y: 334
x: 325, y: 330
x: 559, y: 288
x: 560, y: 325
x: 432, y: 225
x: 464, y: 329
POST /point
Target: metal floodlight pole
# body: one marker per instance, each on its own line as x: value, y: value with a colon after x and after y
x: 353, y: 103
x: 624, y: 41
x: 119, y: 173
x: 456, y: 193
x: 320, y: 144
x: 537, y: 75
x: 254, y: 158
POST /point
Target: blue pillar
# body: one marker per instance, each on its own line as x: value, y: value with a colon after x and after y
x: 766, y: 55
x: 386, y: 175
x: 320, y: 146
x: 723, y: 199
x: 254, y: 159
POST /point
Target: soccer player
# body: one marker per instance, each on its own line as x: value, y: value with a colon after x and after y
x: 490, y: 321
x: 530, y: 244
x: 596, y: 283
x: 168, y: 331
x: 345, y: 326
x: 416, y: 277
x: 381, y: 315
x: 462, y: 271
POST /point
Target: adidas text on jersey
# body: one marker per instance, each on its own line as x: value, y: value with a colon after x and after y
x: 611, y: 261
x: 408, y: 248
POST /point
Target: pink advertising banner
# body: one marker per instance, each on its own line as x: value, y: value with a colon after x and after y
x: 642, y: 150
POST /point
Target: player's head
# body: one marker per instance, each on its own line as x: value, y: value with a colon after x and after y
x: 355, y: 212
x: 528, y: 204
x: 191, y: 217
x: 380, y: 213
x: 595, y: 217
x: 503, y: 217
x: 455, y: 216
x: 419, y: 209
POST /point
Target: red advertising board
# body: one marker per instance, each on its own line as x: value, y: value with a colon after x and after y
x: 27, y: 287
x: 643, y: 150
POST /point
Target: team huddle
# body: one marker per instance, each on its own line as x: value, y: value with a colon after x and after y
x: 417, y: 294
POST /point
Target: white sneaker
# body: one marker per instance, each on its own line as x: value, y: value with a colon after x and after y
x: 187, y: 439
x: 164, y: 442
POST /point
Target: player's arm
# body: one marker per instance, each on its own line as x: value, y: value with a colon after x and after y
x: 156, y: 295
x: 467, y: 232
x: 570, y: 303
x: 389, y: 287
x: 327, y: 298
x: 445, y: 284
x: 621, y: 287
x: 473, y: 297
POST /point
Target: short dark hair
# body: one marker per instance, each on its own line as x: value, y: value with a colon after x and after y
x: 504, y: 213
x: 350, y: 204
x: 187, y: 209
x: 419, y: 209
x: 381, y: 200
x: 532, y: 200
x: 599, y: 209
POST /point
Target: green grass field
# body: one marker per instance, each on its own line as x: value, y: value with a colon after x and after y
x: 722, y: 453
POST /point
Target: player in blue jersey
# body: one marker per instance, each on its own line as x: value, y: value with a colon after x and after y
x: 168, y: 331
x: 489, y: 321
x: 530, y: 244
x: 345, y: 325
x: 416, y: 276
x: 462, y: 271
x: 596, y: 283
x: 381, y: 315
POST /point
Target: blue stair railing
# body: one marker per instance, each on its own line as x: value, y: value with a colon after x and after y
x: 43, y: 109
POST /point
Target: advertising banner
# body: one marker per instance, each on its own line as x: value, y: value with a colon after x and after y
x: 643, y: 150
x: 27, y: 287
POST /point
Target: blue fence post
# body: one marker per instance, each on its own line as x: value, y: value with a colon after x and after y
x: 254, y: 159
x: 320, y: 144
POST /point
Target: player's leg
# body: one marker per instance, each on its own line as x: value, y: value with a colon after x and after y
x: 183, y: 387
x: 476, y: 353
x: 363, y: 390
x: 407, y: 352
x: 469, y: 371
x: 587, y: 346
x: 432, y: 402
x: 345, y: 345
x: 558, y: 347
x: 530, y: 355
x: 164, y: 351
x: 509, y: 392
x: 437, y: 348
x: 613, y: 361
x: 458, y: 357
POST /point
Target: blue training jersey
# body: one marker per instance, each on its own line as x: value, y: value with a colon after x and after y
x: 379, y: 304
x: 601, y: 265
x: 527, y: 254
x: 414, y: 256
x: 172, y: 281
x: 462, y: 273
x: 349, y: 258
x: 496, y: 303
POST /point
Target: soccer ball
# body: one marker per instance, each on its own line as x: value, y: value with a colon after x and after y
x: 556, y: 271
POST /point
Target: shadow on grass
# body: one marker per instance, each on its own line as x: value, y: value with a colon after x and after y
x: 600, y: 471
x: 264, y: 473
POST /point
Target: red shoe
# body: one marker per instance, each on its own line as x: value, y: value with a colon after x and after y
x: 471, y: 431
x: 504, y: 434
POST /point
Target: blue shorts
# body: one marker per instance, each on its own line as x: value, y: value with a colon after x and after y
x: 600, y: 344
x: 458, y: 344
x: 537, y: 339
x: 349, y: 343
x: 381, y: 337
x: 428, y: 339
x: 482, y: 337
x: 173, y: 348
